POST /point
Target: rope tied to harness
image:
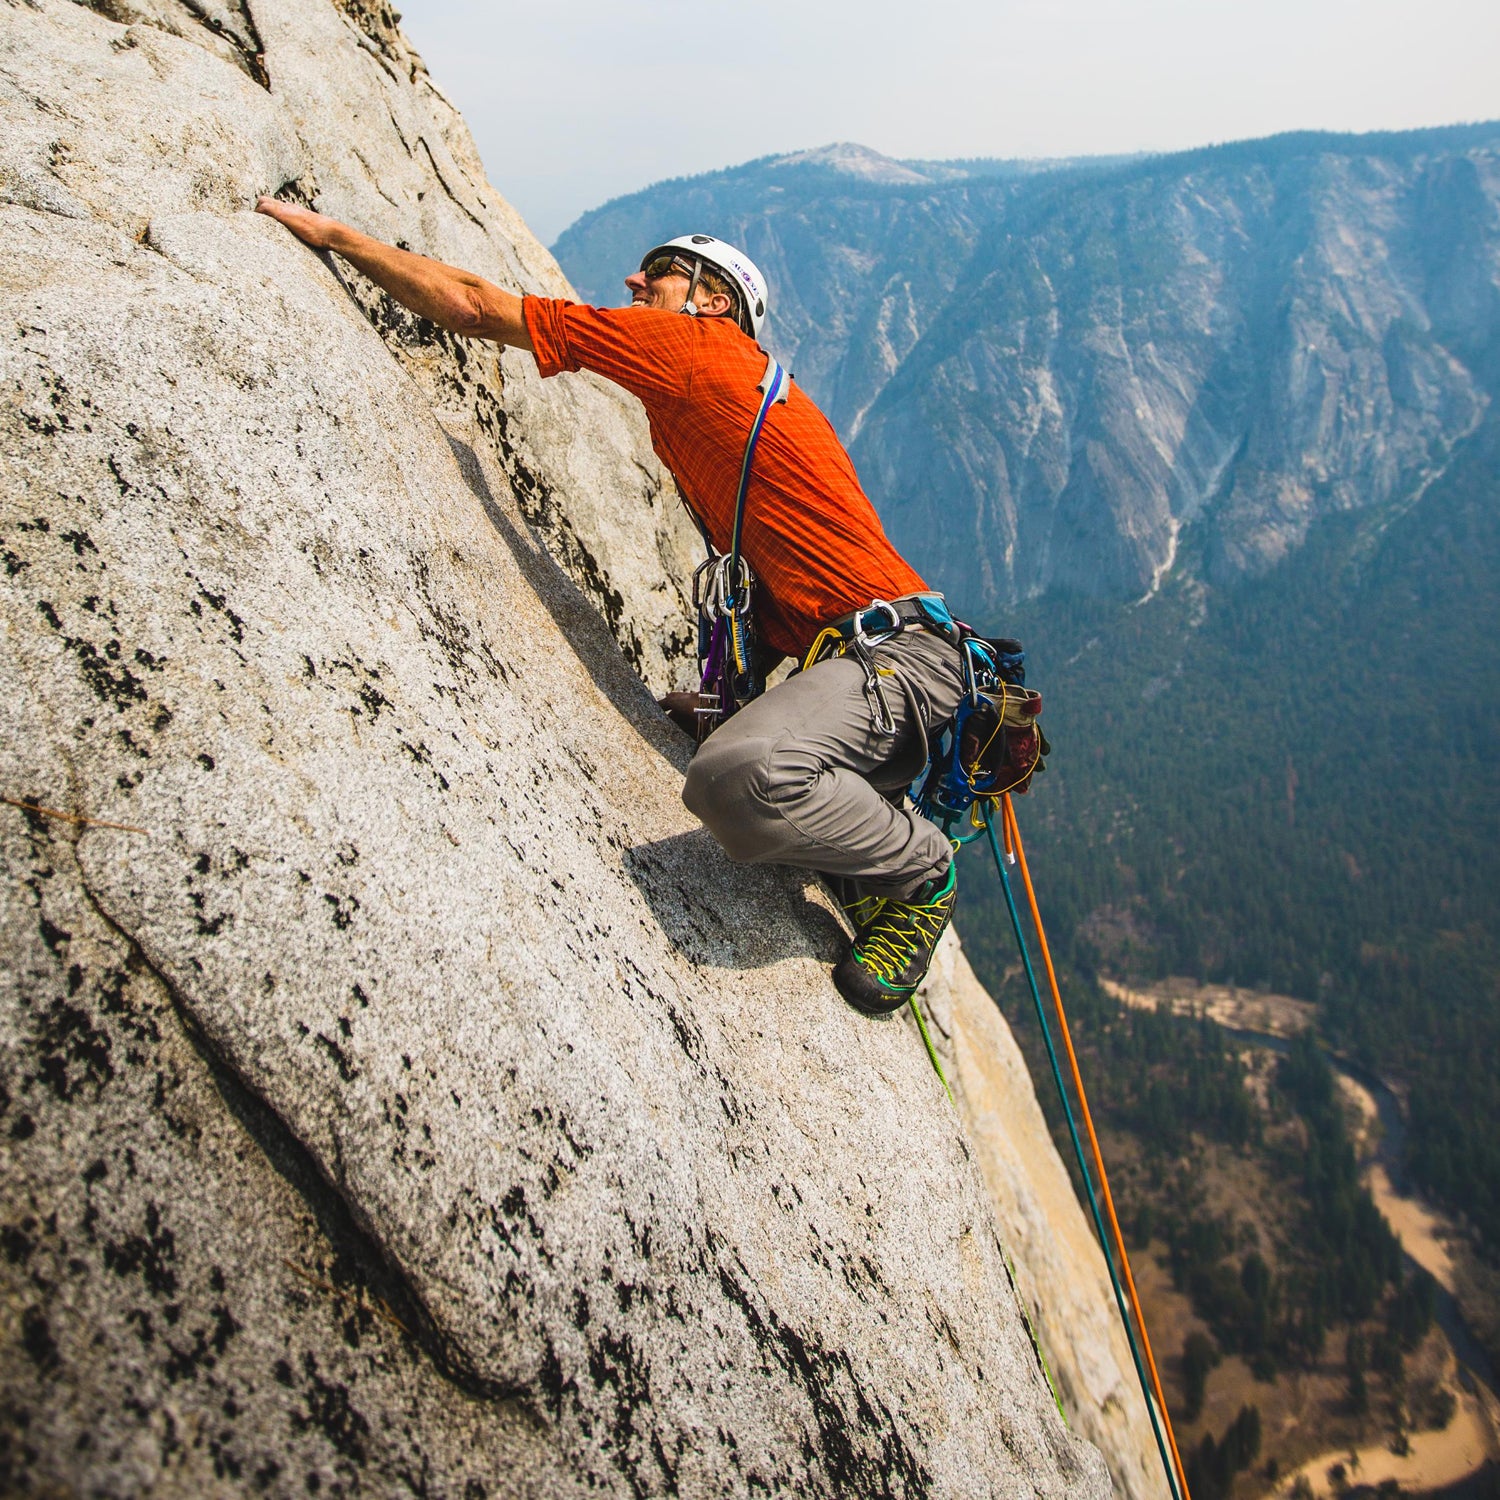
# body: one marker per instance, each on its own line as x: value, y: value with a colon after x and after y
x: 1111, y: 1240
x: 992, y: 750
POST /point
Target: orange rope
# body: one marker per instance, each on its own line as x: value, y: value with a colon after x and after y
x: 1013, y: 840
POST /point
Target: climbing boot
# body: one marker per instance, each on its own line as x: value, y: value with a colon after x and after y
x: 890, y: 956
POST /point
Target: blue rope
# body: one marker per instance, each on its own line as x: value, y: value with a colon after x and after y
x: 1088, y: 1182
x: 775, y: 380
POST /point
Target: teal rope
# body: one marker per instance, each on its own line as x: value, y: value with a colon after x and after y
x: 1088, y: 1182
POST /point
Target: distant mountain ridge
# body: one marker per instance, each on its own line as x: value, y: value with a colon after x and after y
x: 1045, y: 375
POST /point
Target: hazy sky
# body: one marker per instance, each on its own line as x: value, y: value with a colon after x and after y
x: 574, y: 102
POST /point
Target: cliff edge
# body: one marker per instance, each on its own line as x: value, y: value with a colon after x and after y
x: 401, y: 1092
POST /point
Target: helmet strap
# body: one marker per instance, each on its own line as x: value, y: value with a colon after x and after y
x: 689, y: 306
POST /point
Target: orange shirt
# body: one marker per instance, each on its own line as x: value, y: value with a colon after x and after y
x: 810, y: 533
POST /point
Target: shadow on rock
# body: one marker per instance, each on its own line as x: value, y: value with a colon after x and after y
x: 726, y: 915
x: 576, y: 619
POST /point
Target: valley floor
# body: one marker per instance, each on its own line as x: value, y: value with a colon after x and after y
x: 1315, y: 1448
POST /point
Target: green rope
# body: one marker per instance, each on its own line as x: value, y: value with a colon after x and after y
x: 1036, y: 1343
x: 916, y: 1010
x: 1088, y: 1182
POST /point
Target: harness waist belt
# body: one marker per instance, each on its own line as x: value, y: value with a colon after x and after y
x: 884, y: 618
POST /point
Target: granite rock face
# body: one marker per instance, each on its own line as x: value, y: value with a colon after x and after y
x: 401, y: 1093
x: 1057, y: 380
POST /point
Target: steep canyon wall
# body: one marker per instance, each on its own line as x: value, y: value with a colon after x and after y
x: 401, y: 1094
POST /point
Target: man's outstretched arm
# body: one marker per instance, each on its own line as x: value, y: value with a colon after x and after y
x: 453, y: 299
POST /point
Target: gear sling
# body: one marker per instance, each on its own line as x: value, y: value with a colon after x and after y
x: 722, y: 587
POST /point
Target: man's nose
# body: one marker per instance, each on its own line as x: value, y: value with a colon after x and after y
x: 636, y: 281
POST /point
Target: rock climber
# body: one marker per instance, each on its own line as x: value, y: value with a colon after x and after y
x: 810, y: 773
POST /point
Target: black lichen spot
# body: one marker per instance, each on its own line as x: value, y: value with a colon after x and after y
x: 862, y: 1449
x: 615, y: 1363
x: 79, y: 541
x: 116, y: 685
x: 149, y: 1255
x: 16, y: 1241
x: 347, y: 1071
x: 220, y: 604
x: 552, y: 1383
x: 206, y: 761
x: 70, y: 1050
x: 53, y: 936
x: 373, y: 699
x: 37, y: 1340
x: 225, y: 1329
x: 121, y: 482
x: 331, y: 1412
x: 344, y: 908
x: 144, y: 1327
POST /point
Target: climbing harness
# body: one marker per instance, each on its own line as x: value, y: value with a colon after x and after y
x: 858, y: 634
x: 722, y: 590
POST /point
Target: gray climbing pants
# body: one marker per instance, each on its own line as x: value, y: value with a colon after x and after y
x: 805, y: 775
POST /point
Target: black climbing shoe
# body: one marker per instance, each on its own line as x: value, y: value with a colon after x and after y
x: 889, y: 957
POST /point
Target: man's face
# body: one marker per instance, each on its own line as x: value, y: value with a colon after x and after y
x: 668, y: 292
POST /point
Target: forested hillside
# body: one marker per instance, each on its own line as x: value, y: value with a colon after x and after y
x: 1297, y: 785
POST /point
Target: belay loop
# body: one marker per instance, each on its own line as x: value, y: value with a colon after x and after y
x: 723, y: 588
x: 995, y: 744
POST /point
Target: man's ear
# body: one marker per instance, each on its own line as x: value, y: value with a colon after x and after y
x: 714, y: 306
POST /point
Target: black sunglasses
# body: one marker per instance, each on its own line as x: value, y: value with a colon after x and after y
x: 666, y: 265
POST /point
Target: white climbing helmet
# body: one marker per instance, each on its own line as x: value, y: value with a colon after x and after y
x: 734, y: 265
